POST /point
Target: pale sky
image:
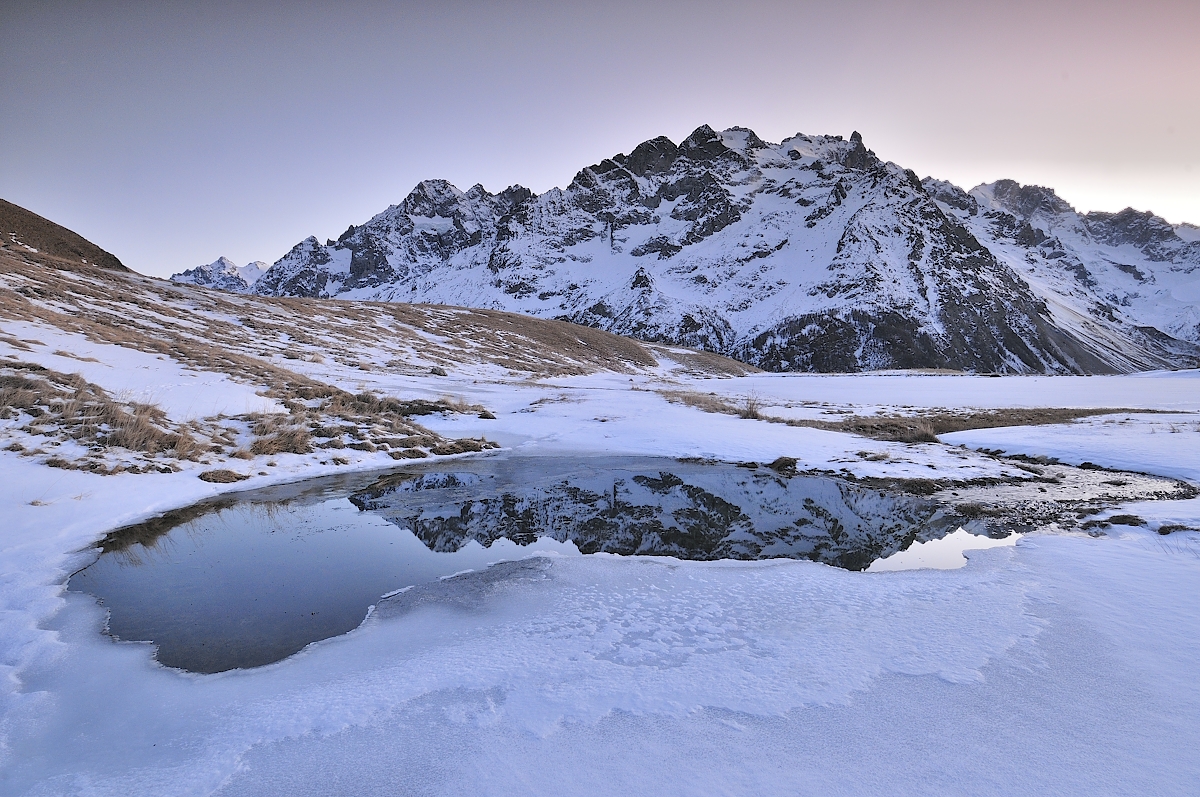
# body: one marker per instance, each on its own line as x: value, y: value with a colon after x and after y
x: 171, y: 133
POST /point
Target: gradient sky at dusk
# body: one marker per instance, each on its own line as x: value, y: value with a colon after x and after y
x: 173, y: 132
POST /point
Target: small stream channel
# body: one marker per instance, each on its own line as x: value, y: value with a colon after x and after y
x: 250, y: 578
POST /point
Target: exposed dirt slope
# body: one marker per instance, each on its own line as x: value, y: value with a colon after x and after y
x: 22, y: 230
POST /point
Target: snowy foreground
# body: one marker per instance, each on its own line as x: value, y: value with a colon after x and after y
x: 1064, y: 665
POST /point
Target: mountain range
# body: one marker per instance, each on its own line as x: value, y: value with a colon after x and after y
x: 808, y: 255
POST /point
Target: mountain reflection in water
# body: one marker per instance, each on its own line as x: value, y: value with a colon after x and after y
x: 690, y: 510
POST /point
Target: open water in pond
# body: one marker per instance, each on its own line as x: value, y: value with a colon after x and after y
x: 252, y: 578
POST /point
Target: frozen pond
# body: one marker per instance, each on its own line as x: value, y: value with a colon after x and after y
x: 252, y: 578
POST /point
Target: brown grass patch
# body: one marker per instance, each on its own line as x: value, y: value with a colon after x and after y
x: 462, y: 446
x: 283, y: 440
x: 410, y: 453
x: 707, y: 402
x: 927, y: 427
x: 50, y: 239
x: 221, y: 476
x: 923, y: 428
x: 704, y: 362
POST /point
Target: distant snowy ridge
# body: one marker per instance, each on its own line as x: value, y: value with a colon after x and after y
x: 808, y: 255
x: 223, y: 273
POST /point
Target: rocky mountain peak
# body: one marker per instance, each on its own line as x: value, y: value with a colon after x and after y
x: 652, y: 157
x: 1030, y: 203
x: 743, y: 140
x: 224, y: 274
x: 704, y: 144
x: 858, y: 156
x: 1139, y: 228
x: 950, y: 194
x: 1188, y: 232
x: 432, y: 198
x: 515, y: 195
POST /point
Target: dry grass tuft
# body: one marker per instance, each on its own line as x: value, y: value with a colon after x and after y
x: 221, y: 476
x: 410, y: 453
x: 462, y: 446
x: 66, y: 406
x: 749, y: 409
x: 707, y: 402
x: 282, y: 440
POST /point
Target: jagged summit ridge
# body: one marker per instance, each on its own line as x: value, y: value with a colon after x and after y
x: 809, y: 254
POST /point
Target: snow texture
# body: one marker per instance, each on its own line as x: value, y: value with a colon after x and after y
x: 1063, y: 664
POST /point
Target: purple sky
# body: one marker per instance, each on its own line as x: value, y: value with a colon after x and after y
x: 174, y: 132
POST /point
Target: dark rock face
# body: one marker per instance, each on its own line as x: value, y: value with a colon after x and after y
x: 1143, y: 230
x: 858, y: 157
x: 950, y: 194
x: 811, y: 254
x: 1028, y: 200
x: 306, y: 275
x: 651, y: 157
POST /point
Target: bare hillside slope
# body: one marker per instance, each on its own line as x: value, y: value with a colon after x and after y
x: 270, y: 375
x: 24, y: 231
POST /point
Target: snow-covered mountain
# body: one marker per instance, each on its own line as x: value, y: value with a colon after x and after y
x: 223, y: 273
x: 811, y: 254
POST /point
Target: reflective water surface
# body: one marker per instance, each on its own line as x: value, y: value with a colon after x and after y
x: 250, y: 579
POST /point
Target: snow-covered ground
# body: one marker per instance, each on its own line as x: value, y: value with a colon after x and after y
x: 1065, y: 664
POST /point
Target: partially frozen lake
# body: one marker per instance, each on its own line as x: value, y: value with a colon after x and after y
x: 249, y: 579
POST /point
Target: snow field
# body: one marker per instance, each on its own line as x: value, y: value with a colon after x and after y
x: 126, y: 373
x: 1062, y: 665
